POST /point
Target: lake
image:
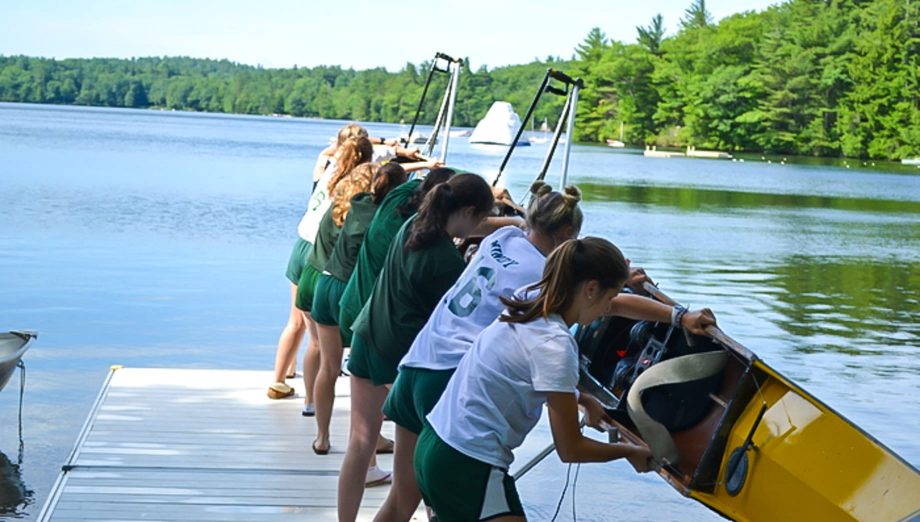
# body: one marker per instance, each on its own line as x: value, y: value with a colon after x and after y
x: 160, y: 239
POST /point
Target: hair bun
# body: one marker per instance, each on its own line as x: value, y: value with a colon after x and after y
x: 540, y: 188
x: 572, y: 195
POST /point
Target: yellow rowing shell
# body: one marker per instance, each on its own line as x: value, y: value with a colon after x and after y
x: 810, y: 463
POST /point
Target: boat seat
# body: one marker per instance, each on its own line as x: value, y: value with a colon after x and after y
x: 683, y: 369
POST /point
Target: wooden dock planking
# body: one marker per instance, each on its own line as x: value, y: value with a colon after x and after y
x: 175, y: 444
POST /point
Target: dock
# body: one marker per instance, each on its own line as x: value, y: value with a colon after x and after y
x: 188, y: 444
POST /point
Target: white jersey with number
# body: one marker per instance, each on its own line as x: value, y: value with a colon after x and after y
x: 320, y: 201
x: 496, y: 396
x: 505, y: 262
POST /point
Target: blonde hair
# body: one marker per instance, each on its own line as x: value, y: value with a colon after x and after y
x: 353, y: 152
x: 550, y: 211
x: 358, y: 180
x: 572, y: 263
x: 352, y: 130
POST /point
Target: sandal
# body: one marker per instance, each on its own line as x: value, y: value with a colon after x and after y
x: 280, y: 390
x: 308, y: 410
x: 320, y: 451
x: 386, y: 449
x: 377, y: 477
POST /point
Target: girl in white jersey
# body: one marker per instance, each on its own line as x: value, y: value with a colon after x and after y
x: 520, y: 362
x: 507, y: 260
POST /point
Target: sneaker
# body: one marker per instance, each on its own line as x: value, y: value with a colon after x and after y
x: 308, y: 410
x: 377, y: 477
x: 280, y: 390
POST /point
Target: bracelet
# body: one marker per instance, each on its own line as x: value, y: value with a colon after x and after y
x: 677, y: 313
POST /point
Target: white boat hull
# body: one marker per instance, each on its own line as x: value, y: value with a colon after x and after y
x: 13, y: 345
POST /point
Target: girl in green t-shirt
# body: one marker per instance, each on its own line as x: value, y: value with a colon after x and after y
x: 421, y: 264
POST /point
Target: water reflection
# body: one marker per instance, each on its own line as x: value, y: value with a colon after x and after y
x: 690, y: 198
x: 15, y: 495
x: 851, y: 305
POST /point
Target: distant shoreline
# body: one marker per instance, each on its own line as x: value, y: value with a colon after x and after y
x: 883, y: 165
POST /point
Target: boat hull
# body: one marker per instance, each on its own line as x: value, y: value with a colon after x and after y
x: 13, y: 345
x: 810, y: 463
x: 746, y: 441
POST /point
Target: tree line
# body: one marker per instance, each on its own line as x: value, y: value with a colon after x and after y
x: 823, y: 78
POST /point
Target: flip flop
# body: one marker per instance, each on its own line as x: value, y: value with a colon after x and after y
x: 377, y: 477
x: 319, y: 451
x: 308, y: 410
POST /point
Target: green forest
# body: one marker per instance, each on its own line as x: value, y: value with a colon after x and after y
x: 811, y: 77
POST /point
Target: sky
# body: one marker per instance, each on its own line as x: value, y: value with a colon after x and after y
x: 352, y: 33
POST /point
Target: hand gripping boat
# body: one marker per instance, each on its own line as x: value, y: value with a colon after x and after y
x: 734, y: 434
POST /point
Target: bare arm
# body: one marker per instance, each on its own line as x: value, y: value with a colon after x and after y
x: 420, y: 165
x: 646, y: 309
x: 572, y: 446
x: 493, y: 223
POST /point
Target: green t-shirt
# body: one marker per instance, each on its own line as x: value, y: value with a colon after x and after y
x: 326, y: 237
x: 410, y: 286
x: 345, y: 253
x: 380, y: 234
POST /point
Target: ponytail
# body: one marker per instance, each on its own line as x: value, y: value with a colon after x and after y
x: 388, y: 177
x: 434, y: 178
x: 572, y: 263
x: 460, y: 191
x: 549, y: 211
x: 358, y: 180
x: 353, y: 152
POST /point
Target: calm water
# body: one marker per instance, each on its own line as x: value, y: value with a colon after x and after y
x: 160, y: 239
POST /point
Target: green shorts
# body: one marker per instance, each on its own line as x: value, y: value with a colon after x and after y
x: 298, y: 259
x: 326, y: 304
x: 346, y: 319
x: 413, y: 396
x: 458, y: 487
x: 326, y: 298
x: 366, y: 363
x: 306, y: 286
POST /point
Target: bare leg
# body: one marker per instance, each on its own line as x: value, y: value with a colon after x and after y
x: 290, y: 339
x: 366, y: 420
x: 310, y: 359
x: 404, y: 496
x: 330, y: 349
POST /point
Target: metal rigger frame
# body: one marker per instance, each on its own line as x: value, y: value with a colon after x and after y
x: 442, y: 64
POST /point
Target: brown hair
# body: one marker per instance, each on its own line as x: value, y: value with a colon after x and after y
x: 352, y: 153
x: 389, y: 176
x: 434, y: 178
x: 358, y: 180
x: 550, y: 211
x: 352, y: 130
x: 460, y: 191
x: 572, y: 263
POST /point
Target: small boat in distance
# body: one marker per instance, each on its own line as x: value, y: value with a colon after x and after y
x: 13, y: 345
x: 417, y: 138
x: 544, y: 129
x: 617, y: 144
x: 499, y: 127
x: 911, y: 161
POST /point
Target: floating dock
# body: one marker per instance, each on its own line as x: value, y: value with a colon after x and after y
x: 171, y: 444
